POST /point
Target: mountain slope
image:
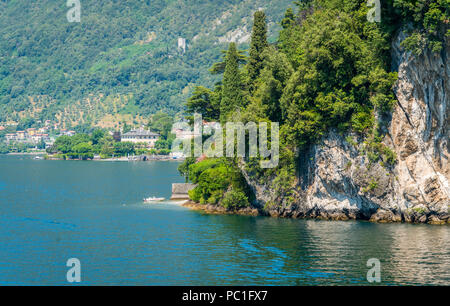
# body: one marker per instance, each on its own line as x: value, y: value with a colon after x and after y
x: 120, y: 61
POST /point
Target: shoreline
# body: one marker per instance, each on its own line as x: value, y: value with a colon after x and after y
x: 29, y: 153
x: 218, y: 210
x: 121, y: 159
x: 253, y: 212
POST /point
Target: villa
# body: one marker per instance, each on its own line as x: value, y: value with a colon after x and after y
x: 141, y: 136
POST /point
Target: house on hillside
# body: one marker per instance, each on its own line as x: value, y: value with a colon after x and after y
x: 37, y: 138
x: 21, y: 135
x: 31, y: 131
x: 11, y: 137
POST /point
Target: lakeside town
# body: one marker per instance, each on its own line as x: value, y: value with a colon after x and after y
x: 127, y: 144
x: 15, y: 140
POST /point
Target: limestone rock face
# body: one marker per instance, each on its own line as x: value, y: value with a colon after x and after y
x: 419, y: 130
x: 335, y: 181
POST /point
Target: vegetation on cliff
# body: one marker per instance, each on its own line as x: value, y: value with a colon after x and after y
x: 219, y: 182
x: 329, y: 69
x: 429, y: 20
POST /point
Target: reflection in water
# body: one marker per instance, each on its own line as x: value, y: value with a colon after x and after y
x: 419, y: 254
x: 51, y: 211
x: 245, y: 250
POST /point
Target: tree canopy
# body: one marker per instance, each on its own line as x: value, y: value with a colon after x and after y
x: 121, y: 61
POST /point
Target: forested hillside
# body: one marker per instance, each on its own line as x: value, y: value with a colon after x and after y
x: 121, y: 62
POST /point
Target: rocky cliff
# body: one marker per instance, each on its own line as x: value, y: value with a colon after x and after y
x: 336, y: 181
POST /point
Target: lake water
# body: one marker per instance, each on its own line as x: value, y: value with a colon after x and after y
x: 51, y: 211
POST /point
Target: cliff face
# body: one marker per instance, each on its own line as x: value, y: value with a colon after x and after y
x: 419, y: 129
x: 335, y: 181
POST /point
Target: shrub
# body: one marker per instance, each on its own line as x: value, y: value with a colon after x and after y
x: 389, y: 156
x: 195, y: 170
x: 234, y: 200
x: 214, y: 177
x: 373, y: 184
x: 195, y: 195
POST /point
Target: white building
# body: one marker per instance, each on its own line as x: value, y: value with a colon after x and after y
x: 141, y: 136
x: 37, y: 138
x: 182, y: 44
x: 10, y: 137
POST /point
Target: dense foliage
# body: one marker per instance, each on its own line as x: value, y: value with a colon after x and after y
x: 20, y: 147
x: 219, y: 182
x: 122, y: 58
x: 232, y: 91
x: 257, y: 46
x: 430, y: 20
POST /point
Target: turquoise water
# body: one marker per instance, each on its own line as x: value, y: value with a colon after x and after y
x: 51, y: 211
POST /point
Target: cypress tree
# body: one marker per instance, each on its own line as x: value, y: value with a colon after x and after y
x: 285, y: 37
x: 288, y: 19
x: 232, y: 84
x: 258, y: 45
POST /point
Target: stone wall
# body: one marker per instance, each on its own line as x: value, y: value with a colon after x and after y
x: 180, y: 191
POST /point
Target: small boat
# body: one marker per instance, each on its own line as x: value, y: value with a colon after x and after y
x: 153, y: 199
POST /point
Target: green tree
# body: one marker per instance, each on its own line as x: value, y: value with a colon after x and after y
x: 26, y: 123
x: 232, y: 95
x: 161, y: 123
x: 97, y: 135
x: 123, y: 148
x: 62, y: 144
x: 3, y: 148
x: 162, y: 144
x: 289, y: 34
x: 106, y: 146
x: 107, y: 151
x: 289, y: 19
x: 235, y: 199
x: 183, y: 168
x: 257, y: 46
x: 305, y: 4
x: 431, y: 23
x: 79, y: 138
x: 219, y: 67
x: 82, y: 148
x: 206, y: 102
x: 214, y: 177
x: 340, y: 74
x: 126, y: 128
x: 272, y: 81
